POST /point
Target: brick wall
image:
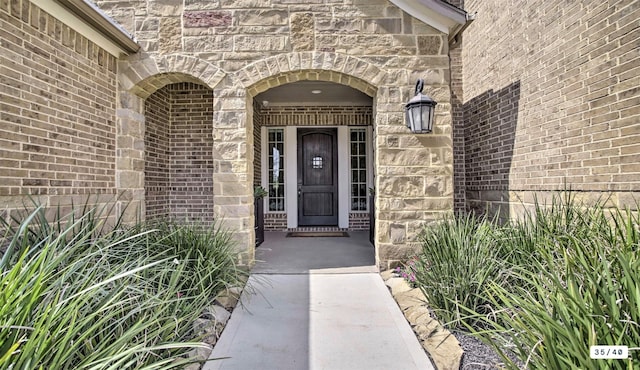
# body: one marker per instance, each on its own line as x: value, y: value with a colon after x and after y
x: 157, y: 153
x: 179, y: 158
x: 191, y: 152
x: 275, y: 221
x: 57, y: 112
x: 359, y: 221
x: 551, y: 96
x: 317, y: 116
x: 457, y: 115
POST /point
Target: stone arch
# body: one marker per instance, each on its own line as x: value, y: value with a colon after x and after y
x: 343, y: 69
x: 322, y: 66
x: 148, y: 73
x: 140, y: 76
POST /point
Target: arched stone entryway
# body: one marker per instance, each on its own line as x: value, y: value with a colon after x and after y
x: 311, y: 66
x: 233, y: 132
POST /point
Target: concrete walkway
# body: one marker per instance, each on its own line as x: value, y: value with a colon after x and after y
x: 319, y: 304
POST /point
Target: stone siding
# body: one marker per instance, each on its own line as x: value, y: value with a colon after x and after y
x: 551, y: 100
x: 57, y: 113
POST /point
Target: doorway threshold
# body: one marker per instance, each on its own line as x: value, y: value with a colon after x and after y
x: 316, y: 229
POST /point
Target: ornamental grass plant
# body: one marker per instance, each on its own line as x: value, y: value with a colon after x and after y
x: 77, y: 294
x: 561, y: 279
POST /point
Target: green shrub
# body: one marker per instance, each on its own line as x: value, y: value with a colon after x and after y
x: 79, y: 295
x: 566, y: 278
x: 459, y: 256
x: 583, y: 289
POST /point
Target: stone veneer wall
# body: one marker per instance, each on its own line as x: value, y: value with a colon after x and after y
x: 178, y: 157
x: 57, y: 113
x: 241, y: 48
x: 551, y: 97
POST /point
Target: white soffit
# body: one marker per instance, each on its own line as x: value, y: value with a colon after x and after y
x: 438, y: 14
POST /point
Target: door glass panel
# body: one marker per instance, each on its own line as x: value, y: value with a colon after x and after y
x: 276, y: 169
x: 358, y: 169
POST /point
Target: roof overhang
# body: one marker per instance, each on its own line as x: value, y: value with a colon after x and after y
x: 90, y: 13
x: 438, y: 14
x: 88, y: 20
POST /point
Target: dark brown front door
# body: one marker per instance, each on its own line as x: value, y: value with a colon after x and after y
x: 317, y: 177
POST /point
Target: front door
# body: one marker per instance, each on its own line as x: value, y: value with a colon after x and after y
x: 317, y: 177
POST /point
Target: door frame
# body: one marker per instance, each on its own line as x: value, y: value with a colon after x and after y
x: 291, y: 172
x: 333, y: 132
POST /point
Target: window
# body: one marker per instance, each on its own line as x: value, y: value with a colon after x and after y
x: 358, y: 140
x: 276, y: 169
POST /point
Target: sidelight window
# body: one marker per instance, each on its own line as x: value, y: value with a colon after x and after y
x: 276, y: 169
x: 358, y: 141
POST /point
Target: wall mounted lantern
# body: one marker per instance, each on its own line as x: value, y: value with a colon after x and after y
x: 419, y: 111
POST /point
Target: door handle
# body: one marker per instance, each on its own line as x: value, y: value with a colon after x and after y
x: 299, y: 190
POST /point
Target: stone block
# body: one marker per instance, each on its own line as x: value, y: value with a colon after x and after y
x: 407, y: 186
x: 383, y: 25
x: 165, y: 8
x: 414, y: 312
x: 129, y: 179
x: 206, y: 19
x: 426, y: 328
x: 444, y: 350
x: 170, y: 34
x: 398, y: 233
x: 207, y: 330
x: 397, y: 285
x: 429, y: 45
x: 259, y: 43
x: 410, y: 298
x: 229, y: 297
x: 217, y: 313
x: 262, y: 17
x: 199, y: 354
x: 387, y: 274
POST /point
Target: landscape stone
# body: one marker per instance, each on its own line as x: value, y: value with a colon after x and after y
x: 410, y: 298
x: 229, y: 298
x: 397, y: 285
x: 217, y: 313
x: 200, y: 354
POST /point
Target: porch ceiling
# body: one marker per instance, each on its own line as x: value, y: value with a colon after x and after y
x: 301, y: 93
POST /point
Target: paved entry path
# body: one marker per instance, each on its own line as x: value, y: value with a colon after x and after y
x: 336, y: 315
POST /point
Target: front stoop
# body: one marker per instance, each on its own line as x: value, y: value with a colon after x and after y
x: 442, y: 347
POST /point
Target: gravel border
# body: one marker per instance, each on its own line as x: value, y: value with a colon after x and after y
x: 477, y: 355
